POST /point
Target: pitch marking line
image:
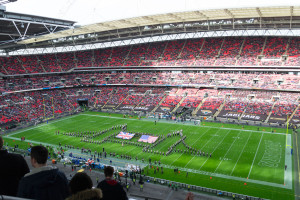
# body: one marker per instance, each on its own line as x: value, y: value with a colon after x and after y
x: 44, y: 124
x: 298, y: 156
x: 255, y: 154
x: 65, y: 139
x: 241, y: 153
x: 192, y: 144
x: 234, y: 129
x: 215, y: 149
x: 228, y: 151
x: 201, y: 147
x: 288, y: 176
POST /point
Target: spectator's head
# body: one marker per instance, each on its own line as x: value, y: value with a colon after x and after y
x: 108, y: 171
x: 1, y: 142
x: 79, y: 182
x: 39, y: 155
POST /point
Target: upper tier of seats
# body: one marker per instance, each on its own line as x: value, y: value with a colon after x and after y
x: 230, y: 51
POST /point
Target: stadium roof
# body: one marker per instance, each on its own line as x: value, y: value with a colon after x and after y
x: 255, y: 18
x: 145, y: 22
x: 15, y: 26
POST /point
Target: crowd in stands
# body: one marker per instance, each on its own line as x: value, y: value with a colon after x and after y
x: 283, y: 109
x: 209, y: 51
x: 251, y: 49
x: 236, y: 105
x: 259, y: 107
x: 228, y: 51
x: 293, y: 52
x: 189, y: 52
x: 171, y: 101
x: 212, y: 104
x: 34, y: 105
x: 171, y: 53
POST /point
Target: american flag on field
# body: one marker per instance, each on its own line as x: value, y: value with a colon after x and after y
x: 148, y: 139
x: 125, y: 136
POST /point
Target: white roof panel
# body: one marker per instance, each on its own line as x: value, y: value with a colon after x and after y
x: 190, y: 16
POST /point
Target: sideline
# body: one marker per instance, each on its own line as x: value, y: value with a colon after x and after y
x: 188, y: 124
x: 43, y: 124
x: 288, y: 175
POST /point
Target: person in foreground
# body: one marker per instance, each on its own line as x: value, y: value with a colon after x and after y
x: 12, y: 168
x: 43, y: 182
x: 81, y: 188
x: 111, y: 189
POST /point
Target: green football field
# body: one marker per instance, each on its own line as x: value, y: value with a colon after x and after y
x: 244, y: 160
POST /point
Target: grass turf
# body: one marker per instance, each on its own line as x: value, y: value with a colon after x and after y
x: 236, y: 151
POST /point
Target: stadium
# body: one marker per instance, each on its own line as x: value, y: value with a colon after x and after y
x: 202, y: 100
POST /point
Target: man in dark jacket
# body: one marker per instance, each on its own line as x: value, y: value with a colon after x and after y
x: 111, y: 189
x: 43, y: 182
x: 81, y: 187
x: 12, y: 168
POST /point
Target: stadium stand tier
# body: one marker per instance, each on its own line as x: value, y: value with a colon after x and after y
x: 227, y: 51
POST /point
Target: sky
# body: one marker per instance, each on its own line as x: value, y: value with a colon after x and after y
x: 93, y: 11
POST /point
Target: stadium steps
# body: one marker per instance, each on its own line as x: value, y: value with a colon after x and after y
x: 199, y: 52
x: 262, y: 51
x: 39, y: 61
x: 57, y: 63
x: 141, y: 60
x: 43, y: 68
x: 219, y: 51
x: 95, y: 102
x: 292, y: 115
x: 286, y: 52
x: 243, y: 111
x: 4, y: 70
x: 110, y: 95
x: 199, y: 106
x: 239, y: 54
x: 162, y: 100
x: 179, y: 55
x: 110, y: 56
x: 123, y: 100
x: 179, y: 103
x: 220, y: 108
x: 270, y: 113
x: 126, y: 58
x: 161, y: 57
x: 21, y: 64
x: 70, y: 103
x: 140, y: 100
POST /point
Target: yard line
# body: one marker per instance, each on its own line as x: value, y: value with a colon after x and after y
x: 201, y: 148
x: 234, y: 129
x: 241, y: 153
x: 228, y: 151
x: 255, y: 154
x: 191, y: 145
x: 37, y: 137
x: 27, y: 129
x: 215, y: 149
